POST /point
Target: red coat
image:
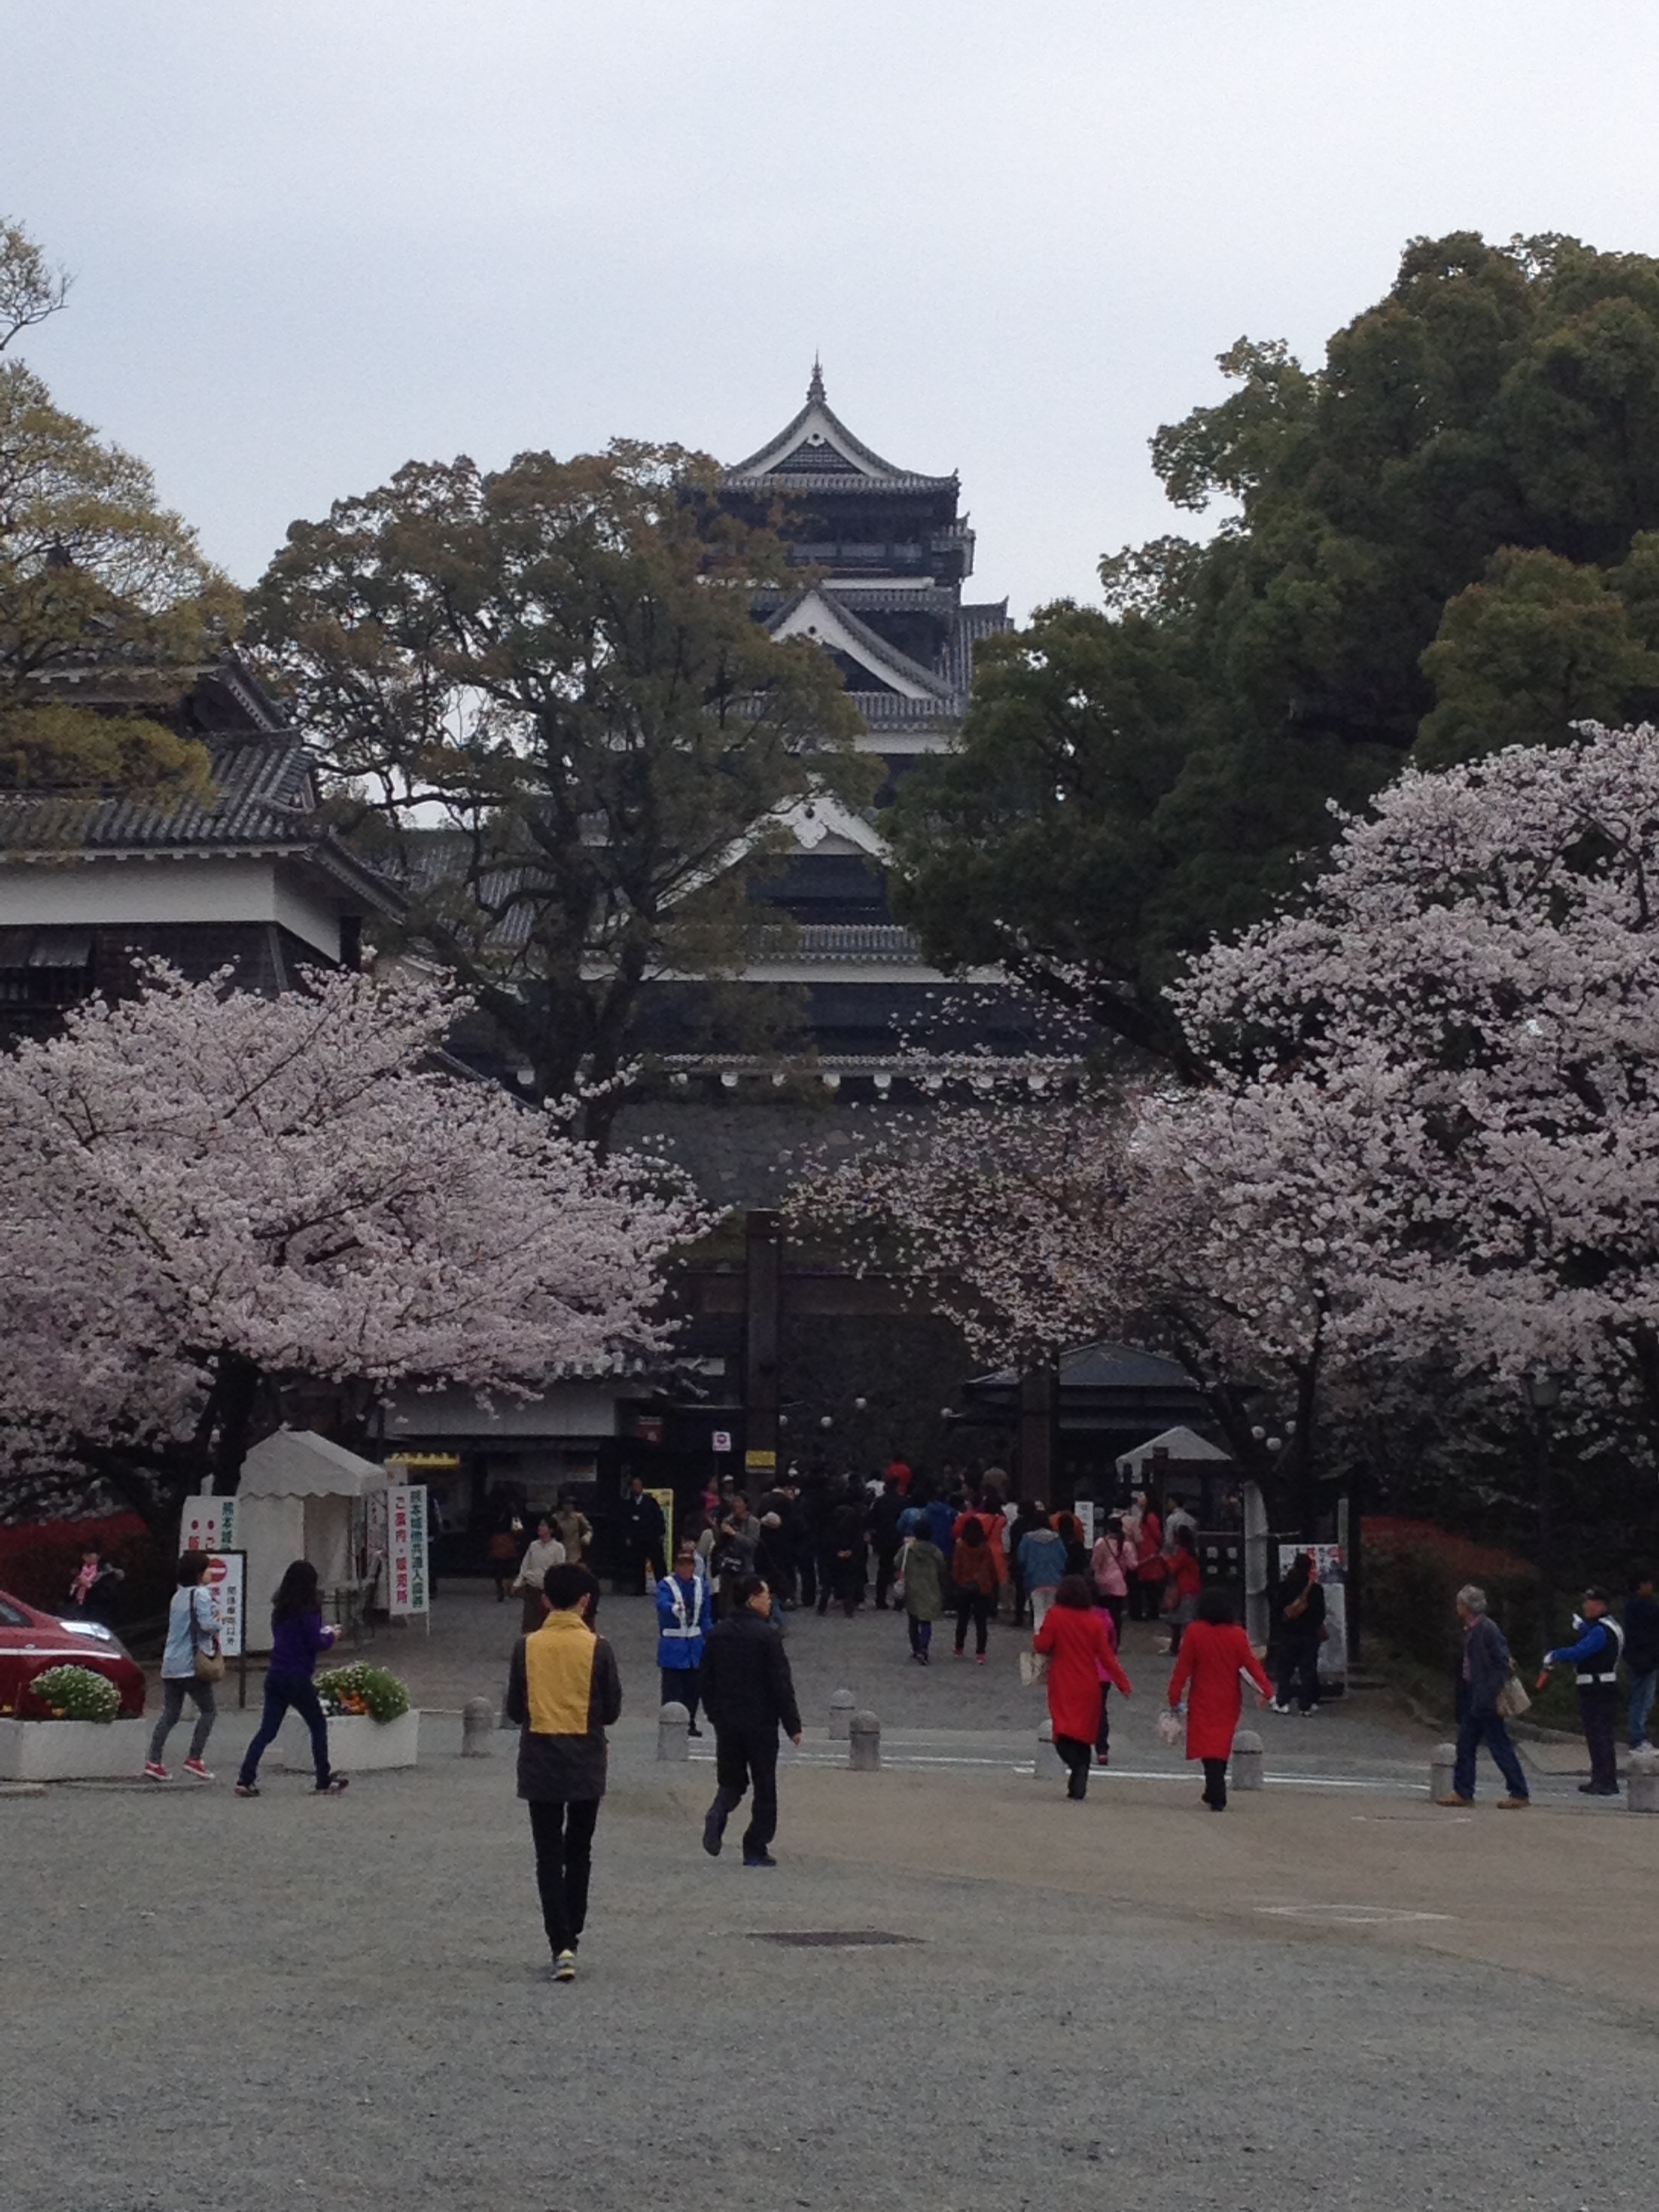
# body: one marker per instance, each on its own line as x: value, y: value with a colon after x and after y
x: 1079, y: 1649
x: 1208, y: 1670
x: 1151, y: 1566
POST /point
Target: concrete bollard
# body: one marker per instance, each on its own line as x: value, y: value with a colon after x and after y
x: 1442, y: 1769
x: 1050, y: 1766
x: 864, y: 1744
x: 840, y: 1715
x: 477, y: 1726
x: 673, y: 1726
x: 1244, y: 1770
x: 1642, y: 1782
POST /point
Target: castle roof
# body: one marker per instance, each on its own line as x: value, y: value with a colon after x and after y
x: 263, y: 800
x: 815, y: 451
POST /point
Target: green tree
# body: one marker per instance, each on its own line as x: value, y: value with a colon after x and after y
x: 101, y: 588
x: 1438, y: 539
x: 544, y: 691
x: 1538, y: 644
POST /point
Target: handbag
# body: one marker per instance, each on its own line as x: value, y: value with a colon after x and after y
x: 1512, y: 1700
x: 208, y: 1665
x: 1033, y: 1667
x: 1169, y: 1726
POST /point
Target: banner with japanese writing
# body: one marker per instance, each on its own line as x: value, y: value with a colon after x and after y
x: 406, y: 1552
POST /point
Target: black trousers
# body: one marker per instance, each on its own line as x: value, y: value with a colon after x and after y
x: 1146, y: 1599
x: 977, y: 1607
x: 1298, y: 1665
x: 1077, y: 1755
x: 1597, y: 1707
x: 562, y: 1830
x: 682, y: 1685
x: 806, y: 1567
x: 1104, y: 1732
x: 747, y: 1759
x: 1215, y: 1783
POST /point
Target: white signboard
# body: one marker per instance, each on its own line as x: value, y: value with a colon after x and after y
x: 722, y: 1442
x: 207, y: 1524
x: 406, y: 1553
x: 226, y: 1584
x: 1333, y: 1579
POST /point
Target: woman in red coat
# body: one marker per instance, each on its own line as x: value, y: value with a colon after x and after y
x: 1078, y: 1644
x: 1214, y: 1653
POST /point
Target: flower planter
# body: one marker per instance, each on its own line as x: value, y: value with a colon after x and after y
x: 357, y: 1745
x: 73, y: 1751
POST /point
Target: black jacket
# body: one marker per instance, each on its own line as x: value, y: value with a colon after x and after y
x: 1642, y: 1634
x: 746, y: 1682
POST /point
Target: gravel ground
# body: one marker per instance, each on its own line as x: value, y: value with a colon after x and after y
x: 301, y: 2001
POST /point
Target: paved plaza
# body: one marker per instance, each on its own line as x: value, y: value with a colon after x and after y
x: 1335, y: 1994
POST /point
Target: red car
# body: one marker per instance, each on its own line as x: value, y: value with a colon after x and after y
x: 32, y: 1641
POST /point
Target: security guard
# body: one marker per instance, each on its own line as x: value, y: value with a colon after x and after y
x: 1595, y: 1654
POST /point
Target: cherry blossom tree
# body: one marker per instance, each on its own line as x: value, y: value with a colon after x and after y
x: 1431, y: 1132
x: 212, y: 1196
x: 1036, y: 1224
x: 1461, y: 1029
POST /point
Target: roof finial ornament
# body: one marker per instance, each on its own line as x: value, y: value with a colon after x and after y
x: 815, y: 389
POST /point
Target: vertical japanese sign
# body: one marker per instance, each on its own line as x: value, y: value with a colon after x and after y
x: 406, y: 1555
x: 226, y: 1584
x: 207, y: 1524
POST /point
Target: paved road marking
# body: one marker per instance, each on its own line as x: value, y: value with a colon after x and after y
x: 1354, y: 1915
x: 831, y: 1760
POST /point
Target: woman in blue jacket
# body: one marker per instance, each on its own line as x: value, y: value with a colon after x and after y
x: 683, y: 1619
x: 297, y: 1638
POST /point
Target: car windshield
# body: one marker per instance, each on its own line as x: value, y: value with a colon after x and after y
x: 10, y: 1617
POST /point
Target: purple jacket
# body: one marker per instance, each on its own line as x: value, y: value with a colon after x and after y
x: 296, y: 1641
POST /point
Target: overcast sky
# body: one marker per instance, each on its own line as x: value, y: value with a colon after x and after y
x: 313, y: 239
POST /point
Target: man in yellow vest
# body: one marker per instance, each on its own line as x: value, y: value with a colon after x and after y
x: 563, y: 1694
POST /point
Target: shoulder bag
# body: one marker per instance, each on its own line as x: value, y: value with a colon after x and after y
x: 1512, y: 1699
x: 208, y: 1665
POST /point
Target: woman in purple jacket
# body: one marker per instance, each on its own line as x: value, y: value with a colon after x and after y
x: 297, y: 1635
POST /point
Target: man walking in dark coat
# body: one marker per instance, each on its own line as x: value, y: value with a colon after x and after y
x: 563, y: 1694
x: 1483, y: 1669
x: 749, y: 1694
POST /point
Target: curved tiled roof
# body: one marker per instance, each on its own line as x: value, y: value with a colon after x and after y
x: 851, y: 464
x: 264, y: 799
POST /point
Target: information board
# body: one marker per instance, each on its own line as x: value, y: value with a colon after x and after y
x: 226, y: 1584
x: 406, y: 1552
x: 1333, y: 1579
x: 207, y: 1524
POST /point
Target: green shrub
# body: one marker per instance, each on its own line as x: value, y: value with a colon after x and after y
x: 1412, y: 1573
x: 77, y: 1694
x: 360, y: 1688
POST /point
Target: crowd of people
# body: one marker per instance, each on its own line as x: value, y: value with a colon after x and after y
x: 939, y: 1550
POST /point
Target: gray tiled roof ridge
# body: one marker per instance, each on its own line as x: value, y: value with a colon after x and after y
x: 882, y: 472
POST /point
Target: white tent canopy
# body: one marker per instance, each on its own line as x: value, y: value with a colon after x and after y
x: 299, y: 1498
x: 299, y: 1463
x: 1174, y: 1444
